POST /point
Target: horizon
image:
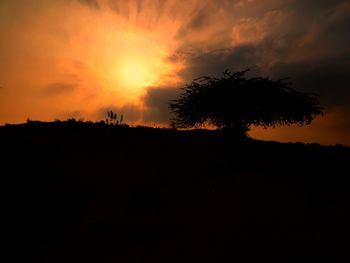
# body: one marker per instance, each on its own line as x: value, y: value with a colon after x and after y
x: 81, y: 58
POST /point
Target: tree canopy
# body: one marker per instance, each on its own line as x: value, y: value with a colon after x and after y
x: 236, y: 102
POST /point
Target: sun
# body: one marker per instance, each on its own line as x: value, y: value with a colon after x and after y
x: 135, y: 74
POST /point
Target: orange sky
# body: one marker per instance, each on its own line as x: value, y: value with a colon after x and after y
x: 80, y: 58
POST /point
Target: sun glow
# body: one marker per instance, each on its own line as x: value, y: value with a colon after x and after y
x: 97, y: 59
x: 130, y: 62
x: 135, y: 74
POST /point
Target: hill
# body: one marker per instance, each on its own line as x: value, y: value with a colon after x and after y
x: 83, y: 192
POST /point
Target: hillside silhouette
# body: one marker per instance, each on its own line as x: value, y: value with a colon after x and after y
x: 85, y: 192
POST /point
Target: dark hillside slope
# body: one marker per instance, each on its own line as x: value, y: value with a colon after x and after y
x: 78, y: 192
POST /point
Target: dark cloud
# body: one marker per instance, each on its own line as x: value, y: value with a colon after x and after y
x: 215, y: 62
x: 59, y: 88
x: 156, y: 104
x: 306, y: 41
x: 329, y: 79
x: 315, y: 7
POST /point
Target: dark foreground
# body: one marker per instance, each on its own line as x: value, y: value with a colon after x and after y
x: 92, y: 193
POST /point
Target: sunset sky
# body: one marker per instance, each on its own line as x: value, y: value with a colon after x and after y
x: 80, y: 58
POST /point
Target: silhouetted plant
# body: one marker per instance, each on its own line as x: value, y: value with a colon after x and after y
x: 234, y: 102
x: 113, y: 118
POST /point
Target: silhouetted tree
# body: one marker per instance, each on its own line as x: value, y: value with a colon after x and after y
x: 235, y: 102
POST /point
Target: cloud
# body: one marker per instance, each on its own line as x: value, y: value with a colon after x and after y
x: 213, y: 63
x: 59, y: 88
x: 90, y: 3
x: 156, y: 104
x: 304, y: 40
x: 251, y: 31
x: 199, y: 20
x: 330, y: 79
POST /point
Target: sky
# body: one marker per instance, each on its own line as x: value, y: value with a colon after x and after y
x: 79, y: 59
